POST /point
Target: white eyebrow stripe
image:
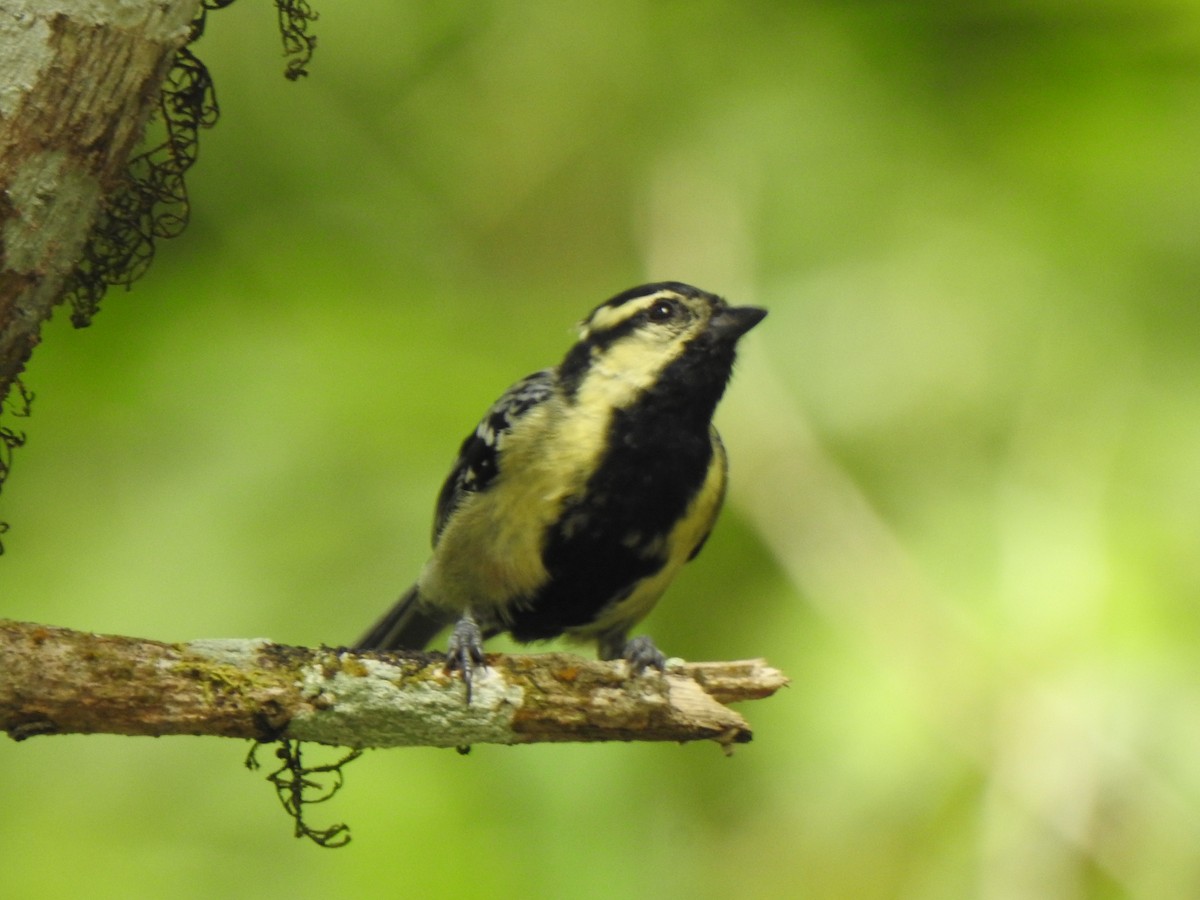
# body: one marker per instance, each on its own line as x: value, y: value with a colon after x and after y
x: 607, y: 317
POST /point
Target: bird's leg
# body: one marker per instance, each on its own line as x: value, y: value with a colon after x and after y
x: 640, y: 651
x: 465, y: 650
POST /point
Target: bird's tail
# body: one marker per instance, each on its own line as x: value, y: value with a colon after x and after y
x: 406, y: 626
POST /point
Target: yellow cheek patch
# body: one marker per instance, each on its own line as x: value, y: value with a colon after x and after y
x: 620, y: 375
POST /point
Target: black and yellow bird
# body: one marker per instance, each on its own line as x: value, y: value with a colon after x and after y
x: 585, y: 488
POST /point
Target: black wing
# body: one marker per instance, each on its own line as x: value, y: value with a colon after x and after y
x: 478, y: 457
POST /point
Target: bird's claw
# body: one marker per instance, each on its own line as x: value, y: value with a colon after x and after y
x: 465, y: 651
x: 641, y: 653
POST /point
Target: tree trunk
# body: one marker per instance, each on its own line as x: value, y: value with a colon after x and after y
x: 78, y: 81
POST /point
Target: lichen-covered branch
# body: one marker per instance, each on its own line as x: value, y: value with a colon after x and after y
x: 59, y: 681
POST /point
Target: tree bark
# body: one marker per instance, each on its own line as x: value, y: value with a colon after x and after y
x: 58, y: 681
x: 78, y: 81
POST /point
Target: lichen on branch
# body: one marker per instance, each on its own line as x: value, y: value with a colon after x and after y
x: 57, y: 681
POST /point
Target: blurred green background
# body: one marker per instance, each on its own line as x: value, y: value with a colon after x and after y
x: 965, y: 445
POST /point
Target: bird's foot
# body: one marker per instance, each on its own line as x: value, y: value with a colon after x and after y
x: 641, y: 654
x: 465, y: 651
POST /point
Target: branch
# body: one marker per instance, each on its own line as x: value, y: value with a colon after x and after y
x: 58, y: 681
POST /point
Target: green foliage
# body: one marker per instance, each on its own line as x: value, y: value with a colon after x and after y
x: 965, y: 445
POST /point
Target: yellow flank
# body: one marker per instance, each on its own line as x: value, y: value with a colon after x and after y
x: 491, y: 548
x: 684, y: 538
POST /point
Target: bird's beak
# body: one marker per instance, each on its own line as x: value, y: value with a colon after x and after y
x: 734, y: 321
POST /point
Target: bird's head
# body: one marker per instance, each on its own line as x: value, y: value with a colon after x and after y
x: 666, y: 333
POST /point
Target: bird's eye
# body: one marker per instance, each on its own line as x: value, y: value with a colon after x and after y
x: 661, y: 311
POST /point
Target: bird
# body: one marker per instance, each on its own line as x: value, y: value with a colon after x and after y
x: 584, y: 489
